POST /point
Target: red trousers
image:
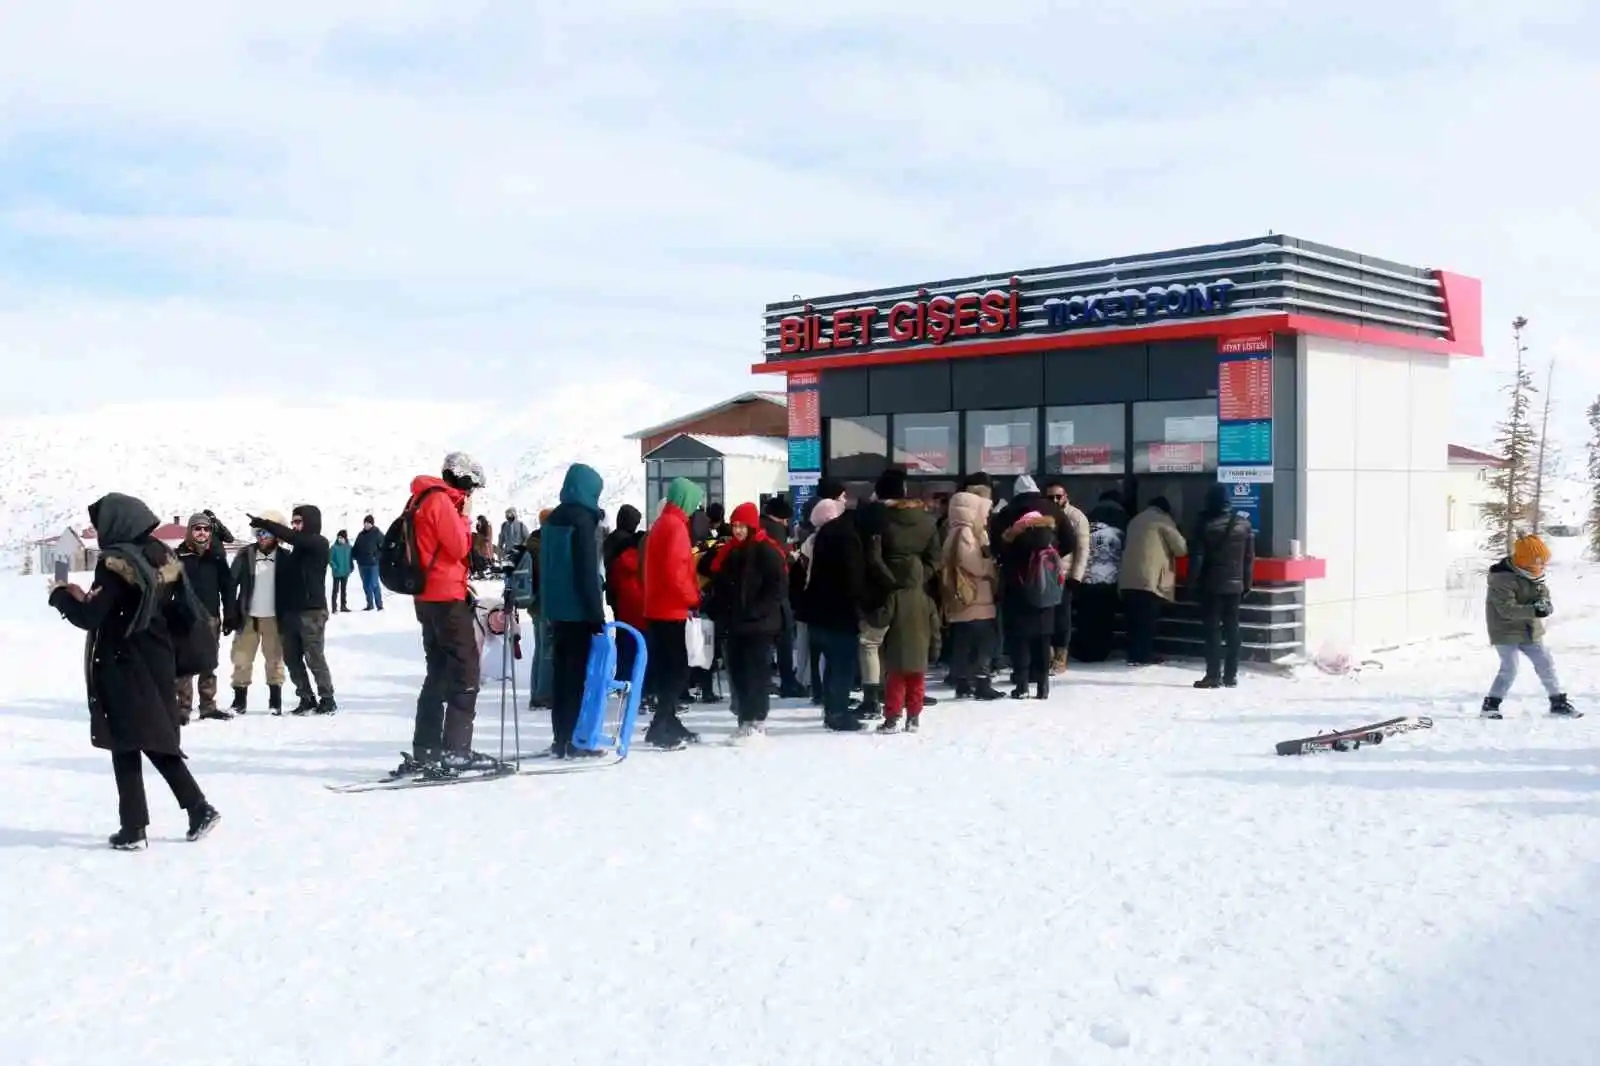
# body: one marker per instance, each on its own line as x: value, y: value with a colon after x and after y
x: 903, y: 691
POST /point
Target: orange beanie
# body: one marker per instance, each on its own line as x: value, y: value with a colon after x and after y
x: 1530, y: 554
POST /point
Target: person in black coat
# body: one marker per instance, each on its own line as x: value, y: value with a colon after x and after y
x: 835, y: 588
x: 205, y: 564
x: 747, y: 599
x: 364, y: 553
x: 1027, y: 525
x: 302, y: 604
x: 133, y: 614
x: 1222, y: 559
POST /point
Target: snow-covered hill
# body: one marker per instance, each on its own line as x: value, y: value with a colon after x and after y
x: 348, y: 457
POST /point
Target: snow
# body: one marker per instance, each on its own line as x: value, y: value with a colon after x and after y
x: 1126, y: 874
x: 774, y: 449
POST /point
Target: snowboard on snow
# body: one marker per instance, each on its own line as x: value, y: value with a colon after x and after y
x: 1352, y: 739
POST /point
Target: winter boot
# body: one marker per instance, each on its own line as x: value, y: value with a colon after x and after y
x: 1209, y: 682
x: 848, y: 723
x: 1491, y: 707
x: 306, y: 705
x: 1058, y: 661
x: 215, y: 713
x: 275, y: 699
x: 891, y: 724
x: 128, y: 838
x: 985, y: 690
x: 241, y: 699
x: 326, y: 705
x: 871, y: 708
x: 913, y: 722
x: 963, y: 691
x: 1562, y: 707
x: 1041, y: 688
x: 202, y: 820
x: 1019, y: 692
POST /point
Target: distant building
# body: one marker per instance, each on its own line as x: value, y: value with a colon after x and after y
x: 749, y: 414
x: 81, y: 547
x: 736, y: 451
x: 1468, y: 488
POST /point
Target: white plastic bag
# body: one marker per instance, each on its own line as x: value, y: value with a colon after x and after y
x: 699, y: 642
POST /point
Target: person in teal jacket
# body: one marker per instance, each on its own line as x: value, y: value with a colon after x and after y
x: 341, y: 563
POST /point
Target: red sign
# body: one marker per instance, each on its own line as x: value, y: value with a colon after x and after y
x: 1244, y: 390
x: 804, y: 379
x: 932, y: 321
x: 1244, y: 343
x: 1011, y: 459
x: 1085, y: 455
x: 805, y: 414
x: 930, y: 462
x: 1183, y: 458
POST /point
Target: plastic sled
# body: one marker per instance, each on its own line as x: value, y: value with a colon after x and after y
x: 599, y: 687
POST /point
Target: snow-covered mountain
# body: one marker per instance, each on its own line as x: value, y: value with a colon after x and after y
x: 348, y: 457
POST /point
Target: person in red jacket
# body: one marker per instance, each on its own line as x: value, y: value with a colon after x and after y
x: 441, y: 744
x: 671, y: 593
x: 619, y: 554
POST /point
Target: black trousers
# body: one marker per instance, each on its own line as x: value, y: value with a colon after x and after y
x: 669, y: 662
x: 1097, y: 621
x: 971, y: 649
x: 1221, y: 619
x: 341, y: 594
x: 448, y: 702
x: 1028, y: 645
x: 1061, y: 629
x: 785, y: 642
x: 569, y: 653
x: 1142, y: 611
x: 129, y: 770
x: 750, y: 674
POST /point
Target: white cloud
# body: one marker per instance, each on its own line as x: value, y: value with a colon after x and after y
x: 355, y: 192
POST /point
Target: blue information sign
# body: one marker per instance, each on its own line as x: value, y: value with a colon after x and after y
x: 805, y: 453
x: 1245, y: 443
x: 1245, y: 498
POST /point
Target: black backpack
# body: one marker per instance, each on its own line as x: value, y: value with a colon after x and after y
x: 399, y: 568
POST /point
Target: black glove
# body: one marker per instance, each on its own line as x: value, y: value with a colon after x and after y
x: 1541, y: 610
x: 230, y: 625
x: 1074, y: 584
x: 255, y: 523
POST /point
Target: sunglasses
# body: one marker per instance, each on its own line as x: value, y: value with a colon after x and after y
x: 262, y: 534
x: 1059, y: 497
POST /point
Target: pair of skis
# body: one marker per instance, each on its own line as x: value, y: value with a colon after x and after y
x: 541, y: 763
x: 1353, y: 739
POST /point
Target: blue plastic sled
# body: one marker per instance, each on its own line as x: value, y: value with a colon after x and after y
x: 600, y: 684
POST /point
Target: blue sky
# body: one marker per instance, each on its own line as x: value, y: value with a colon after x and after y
x: 420, y: 197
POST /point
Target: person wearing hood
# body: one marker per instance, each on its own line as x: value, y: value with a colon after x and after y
x: 447, y: 703
x: 341, y: 564
x: 619, y: 554
x: 1149, y: 576
x: 1223, y: 558
x: 1516, y: 605
x: 205, y: 565
x: 968, y: 582
x: 571, y: 599
x: 252, y: 618
x: 747, y: 596
x: 1026, y: 526
x: 302, y: 602
x: 901, y: 623
x: 1097, y: 599
x: 513, y: 533
x: 671, y: 594
x: 365, y: 552
x: 132, y: 615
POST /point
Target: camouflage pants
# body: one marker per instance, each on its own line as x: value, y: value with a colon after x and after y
x: 208, y: 682
x: 303, y: 646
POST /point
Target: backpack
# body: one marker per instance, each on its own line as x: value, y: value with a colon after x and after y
x: 399, y: 568
x: 1044, y: 579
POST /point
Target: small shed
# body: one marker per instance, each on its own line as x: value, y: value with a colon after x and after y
x: 729, y: 470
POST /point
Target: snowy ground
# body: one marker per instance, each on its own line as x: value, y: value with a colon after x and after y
x: 1124, y: 875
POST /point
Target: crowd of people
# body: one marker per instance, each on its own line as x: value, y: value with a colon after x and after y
x: 860, y: 597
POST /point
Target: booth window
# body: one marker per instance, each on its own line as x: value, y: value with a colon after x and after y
x: 858, y: 447
x: 1091, y: 439
x: 1003, y: 442
x: 927, y: 444
x: 1175, y: 437
x: 659, y: 473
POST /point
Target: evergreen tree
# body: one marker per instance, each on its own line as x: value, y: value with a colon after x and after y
x: 1594, y: 480
x: 1516, y: 444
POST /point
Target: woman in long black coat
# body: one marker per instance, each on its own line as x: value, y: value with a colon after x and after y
x: 134, y: 612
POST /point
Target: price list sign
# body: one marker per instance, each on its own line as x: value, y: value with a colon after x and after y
x: 1244, y: 408
x: 805, y: 435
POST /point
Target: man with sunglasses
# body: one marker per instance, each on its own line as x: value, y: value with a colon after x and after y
x: 1061, y: 635
x: 251, y: 615
x: 302, y: 605
x: 205, y: 566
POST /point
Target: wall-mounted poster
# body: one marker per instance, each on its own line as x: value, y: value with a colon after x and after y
x: 1190, y: 429
x: 1005, y: 447
x: 1183, y: 458
x: 1085, y: 459
x: 928, y: 449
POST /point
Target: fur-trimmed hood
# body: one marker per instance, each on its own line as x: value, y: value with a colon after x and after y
x: 1031, y: 520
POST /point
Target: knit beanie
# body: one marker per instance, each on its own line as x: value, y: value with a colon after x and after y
x: 1530, y: 554
x: 825, y: 511
x: 1024, y: 484
x: 746, y: 515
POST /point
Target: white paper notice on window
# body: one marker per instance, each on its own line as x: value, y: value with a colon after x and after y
x: 997, y: 435
x: 1060, y: 434
x: 1193, y: 429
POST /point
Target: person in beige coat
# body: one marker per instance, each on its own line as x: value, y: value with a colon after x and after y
x: 1061, y: 636
x: 967, y: 583
x: 1149, y: 576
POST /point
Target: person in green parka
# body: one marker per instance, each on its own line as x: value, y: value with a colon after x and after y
x: 902, y: 548
x: 341, y: 564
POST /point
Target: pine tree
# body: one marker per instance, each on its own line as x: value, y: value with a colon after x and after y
x: 1517, y: 445
x: 1594, y: 480
x: 1544, y: 467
